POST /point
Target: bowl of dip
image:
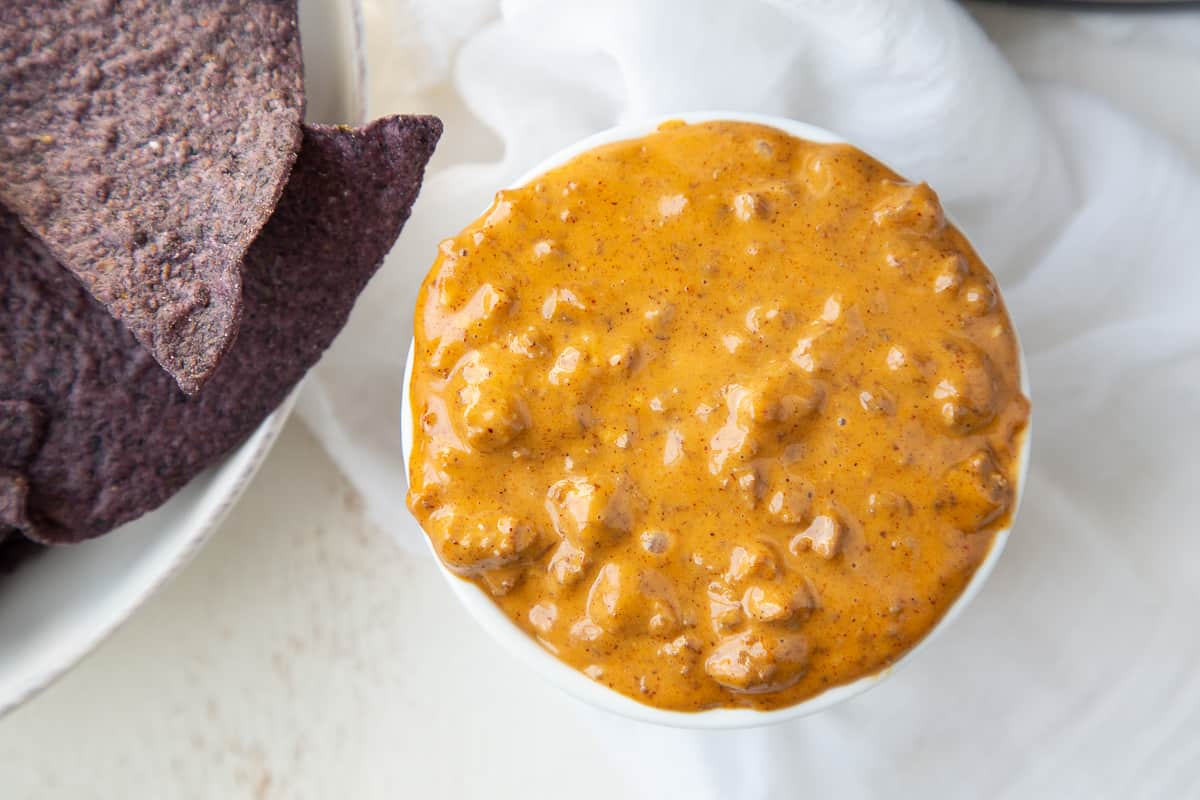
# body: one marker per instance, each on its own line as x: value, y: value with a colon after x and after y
x: 714, y: 420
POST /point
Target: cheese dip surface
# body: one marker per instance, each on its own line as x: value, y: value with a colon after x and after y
x: 720, y: 416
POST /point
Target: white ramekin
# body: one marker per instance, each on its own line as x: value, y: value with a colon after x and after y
x: 575, y: 683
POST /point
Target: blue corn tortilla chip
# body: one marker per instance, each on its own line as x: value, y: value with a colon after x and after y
x: 21, y: 426
x: 146, y: 142
x: 14, y: 500
x: 119, y: 436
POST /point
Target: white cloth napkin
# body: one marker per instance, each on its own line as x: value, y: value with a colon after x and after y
x: 1077, y: 671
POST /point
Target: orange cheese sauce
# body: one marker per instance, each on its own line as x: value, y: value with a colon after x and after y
x: 721, y: 417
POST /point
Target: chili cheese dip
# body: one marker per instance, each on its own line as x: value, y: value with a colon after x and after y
x: 721, y: 417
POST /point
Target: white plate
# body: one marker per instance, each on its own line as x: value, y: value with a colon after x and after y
x: 575, y: 683
x: 60, y: 605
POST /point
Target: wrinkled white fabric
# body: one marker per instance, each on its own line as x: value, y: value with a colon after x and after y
x: 1077, y: 671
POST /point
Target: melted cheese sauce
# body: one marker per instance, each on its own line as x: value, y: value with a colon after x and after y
x: 720, y: 416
